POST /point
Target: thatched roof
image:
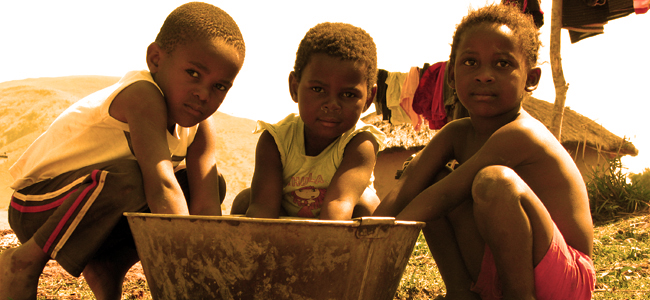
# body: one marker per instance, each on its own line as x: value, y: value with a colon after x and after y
x: 577, y: 131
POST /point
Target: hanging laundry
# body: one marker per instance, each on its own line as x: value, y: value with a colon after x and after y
x: 423, y: 69
x: 641, y: 6
x: 380, y: 96
x: 532, y: 8
x: 393, y: 93
x: 585, y: 21
x: 406, y: 97
x: 429, y: 98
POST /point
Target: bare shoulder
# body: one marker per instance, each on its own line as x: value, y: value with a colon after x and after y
x: 526, y: 138
x: 528, y: 147
x: 526, y: 126
x: 266, y: 142
x: 362, y: 142
x: 141, y: 96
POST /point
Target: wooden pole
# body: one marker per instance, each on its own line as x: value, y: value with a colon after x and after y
x: 561, y: 86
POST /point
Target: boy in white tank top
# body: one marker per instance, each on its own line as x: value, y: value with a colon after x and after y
x: 117, y: 151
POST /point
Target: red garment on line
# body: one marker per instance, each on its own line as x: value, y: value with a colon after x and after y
x: 428, y: 100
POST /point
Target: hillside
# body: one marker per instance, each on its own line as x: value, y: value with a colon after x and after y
x: 27, y: 107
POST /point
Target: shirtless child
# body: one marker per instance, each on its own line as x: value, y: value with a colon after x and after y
x: 513, y: 220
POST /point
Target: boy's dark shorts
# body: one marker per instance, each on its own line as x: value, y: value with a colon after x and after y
x: 79, y: 214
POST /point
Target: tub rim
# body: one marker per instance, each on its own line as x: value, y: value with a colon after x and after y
x: 355, y: 222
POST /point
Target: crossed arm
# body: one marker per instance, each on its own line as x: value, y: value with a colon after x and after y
x: 415, y: 197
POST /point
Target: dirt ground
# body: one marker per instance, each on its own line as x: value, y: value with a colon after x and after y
x: 4, y: 223
x: 56, y: 283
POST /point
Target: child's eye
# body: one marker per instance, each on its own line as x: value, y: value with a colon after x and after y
x: 469, y: 62
x: 317, y: 89
x: 220, y: 87
x: 349, y: 95
x: 193, y: 73
x: 503, y: 64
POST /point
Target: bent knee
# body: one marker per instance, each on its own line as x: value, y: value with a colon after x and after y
x: 494, y: 183
x: 367, y: 204
x: 241, y: 202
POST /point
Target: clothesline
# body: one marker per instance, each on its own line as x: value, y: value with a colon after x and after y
x: 419, y: 97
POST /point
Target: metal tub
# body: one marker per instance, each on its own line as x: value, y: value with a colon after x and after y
x: 228, y: 257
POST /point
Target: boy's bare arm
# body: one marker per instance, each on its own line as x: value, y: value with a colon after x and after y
x: 143, y: 107
x: 510, y: 146
x: 351, y: 178
x: 202, y: 171
x: 421, y: 172
x: 266, y: 185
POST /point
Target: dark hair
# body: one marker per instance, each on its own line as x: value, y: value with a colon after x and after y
x: 521, y: 24
x: 339, y: 40
x: 197, y: 20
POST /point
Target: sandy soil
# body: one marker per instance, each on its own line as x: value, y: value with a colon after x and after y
x: 4, y: 224
x: 56, y: 283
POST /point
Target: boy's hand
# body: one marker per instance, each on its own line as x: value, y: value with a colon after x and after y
x: 202, y: 171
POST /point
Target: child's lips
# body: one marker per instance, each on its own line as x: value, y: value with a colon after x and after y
x: 483, y: 95
x: 194, y: 110
x: 329, y: 122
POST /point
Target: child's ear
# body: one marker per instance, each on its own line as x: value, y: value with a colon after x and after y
x: 293, y: 86
x: 371, y: 97
x: 532, y: 79
x: 154, y: 53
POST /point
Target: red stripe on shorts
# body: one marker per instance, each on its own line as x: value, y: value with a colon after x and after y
x: 40, y: 208
x: 70, y: 211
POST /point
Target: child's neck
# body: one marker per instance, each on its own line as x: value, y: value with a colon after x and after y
x: 314, y: 146
x: 485, y: 127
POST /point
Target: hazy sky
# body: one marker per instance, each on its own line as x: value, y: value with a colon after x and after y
x: 607, y: 74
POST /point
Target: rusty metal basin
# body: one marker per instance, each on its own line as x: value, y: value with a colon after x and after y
x: 229, y: 257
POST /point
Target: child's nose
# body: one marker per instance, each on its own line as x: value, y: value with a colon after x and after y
x: 202, y: 93
x: 485, y: 75
x: 332, y: 104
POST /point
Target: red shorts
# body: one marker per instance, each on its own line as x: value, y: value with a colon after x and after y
x: 563, y: 273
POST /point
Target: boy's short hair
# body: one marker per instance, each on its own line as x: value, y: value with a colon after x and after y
x: 197, y: 20
x: 339, y: 40
x: 521, y: 24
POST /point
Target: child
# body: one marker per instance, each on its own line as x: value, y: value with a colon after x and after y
x: 319, y: 164
x: 116, y: 151
x: 513, y: 220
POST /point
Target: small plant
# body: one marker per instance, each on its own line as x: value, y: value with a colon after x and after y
x: 610, y: 193
x: 641, y: 179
